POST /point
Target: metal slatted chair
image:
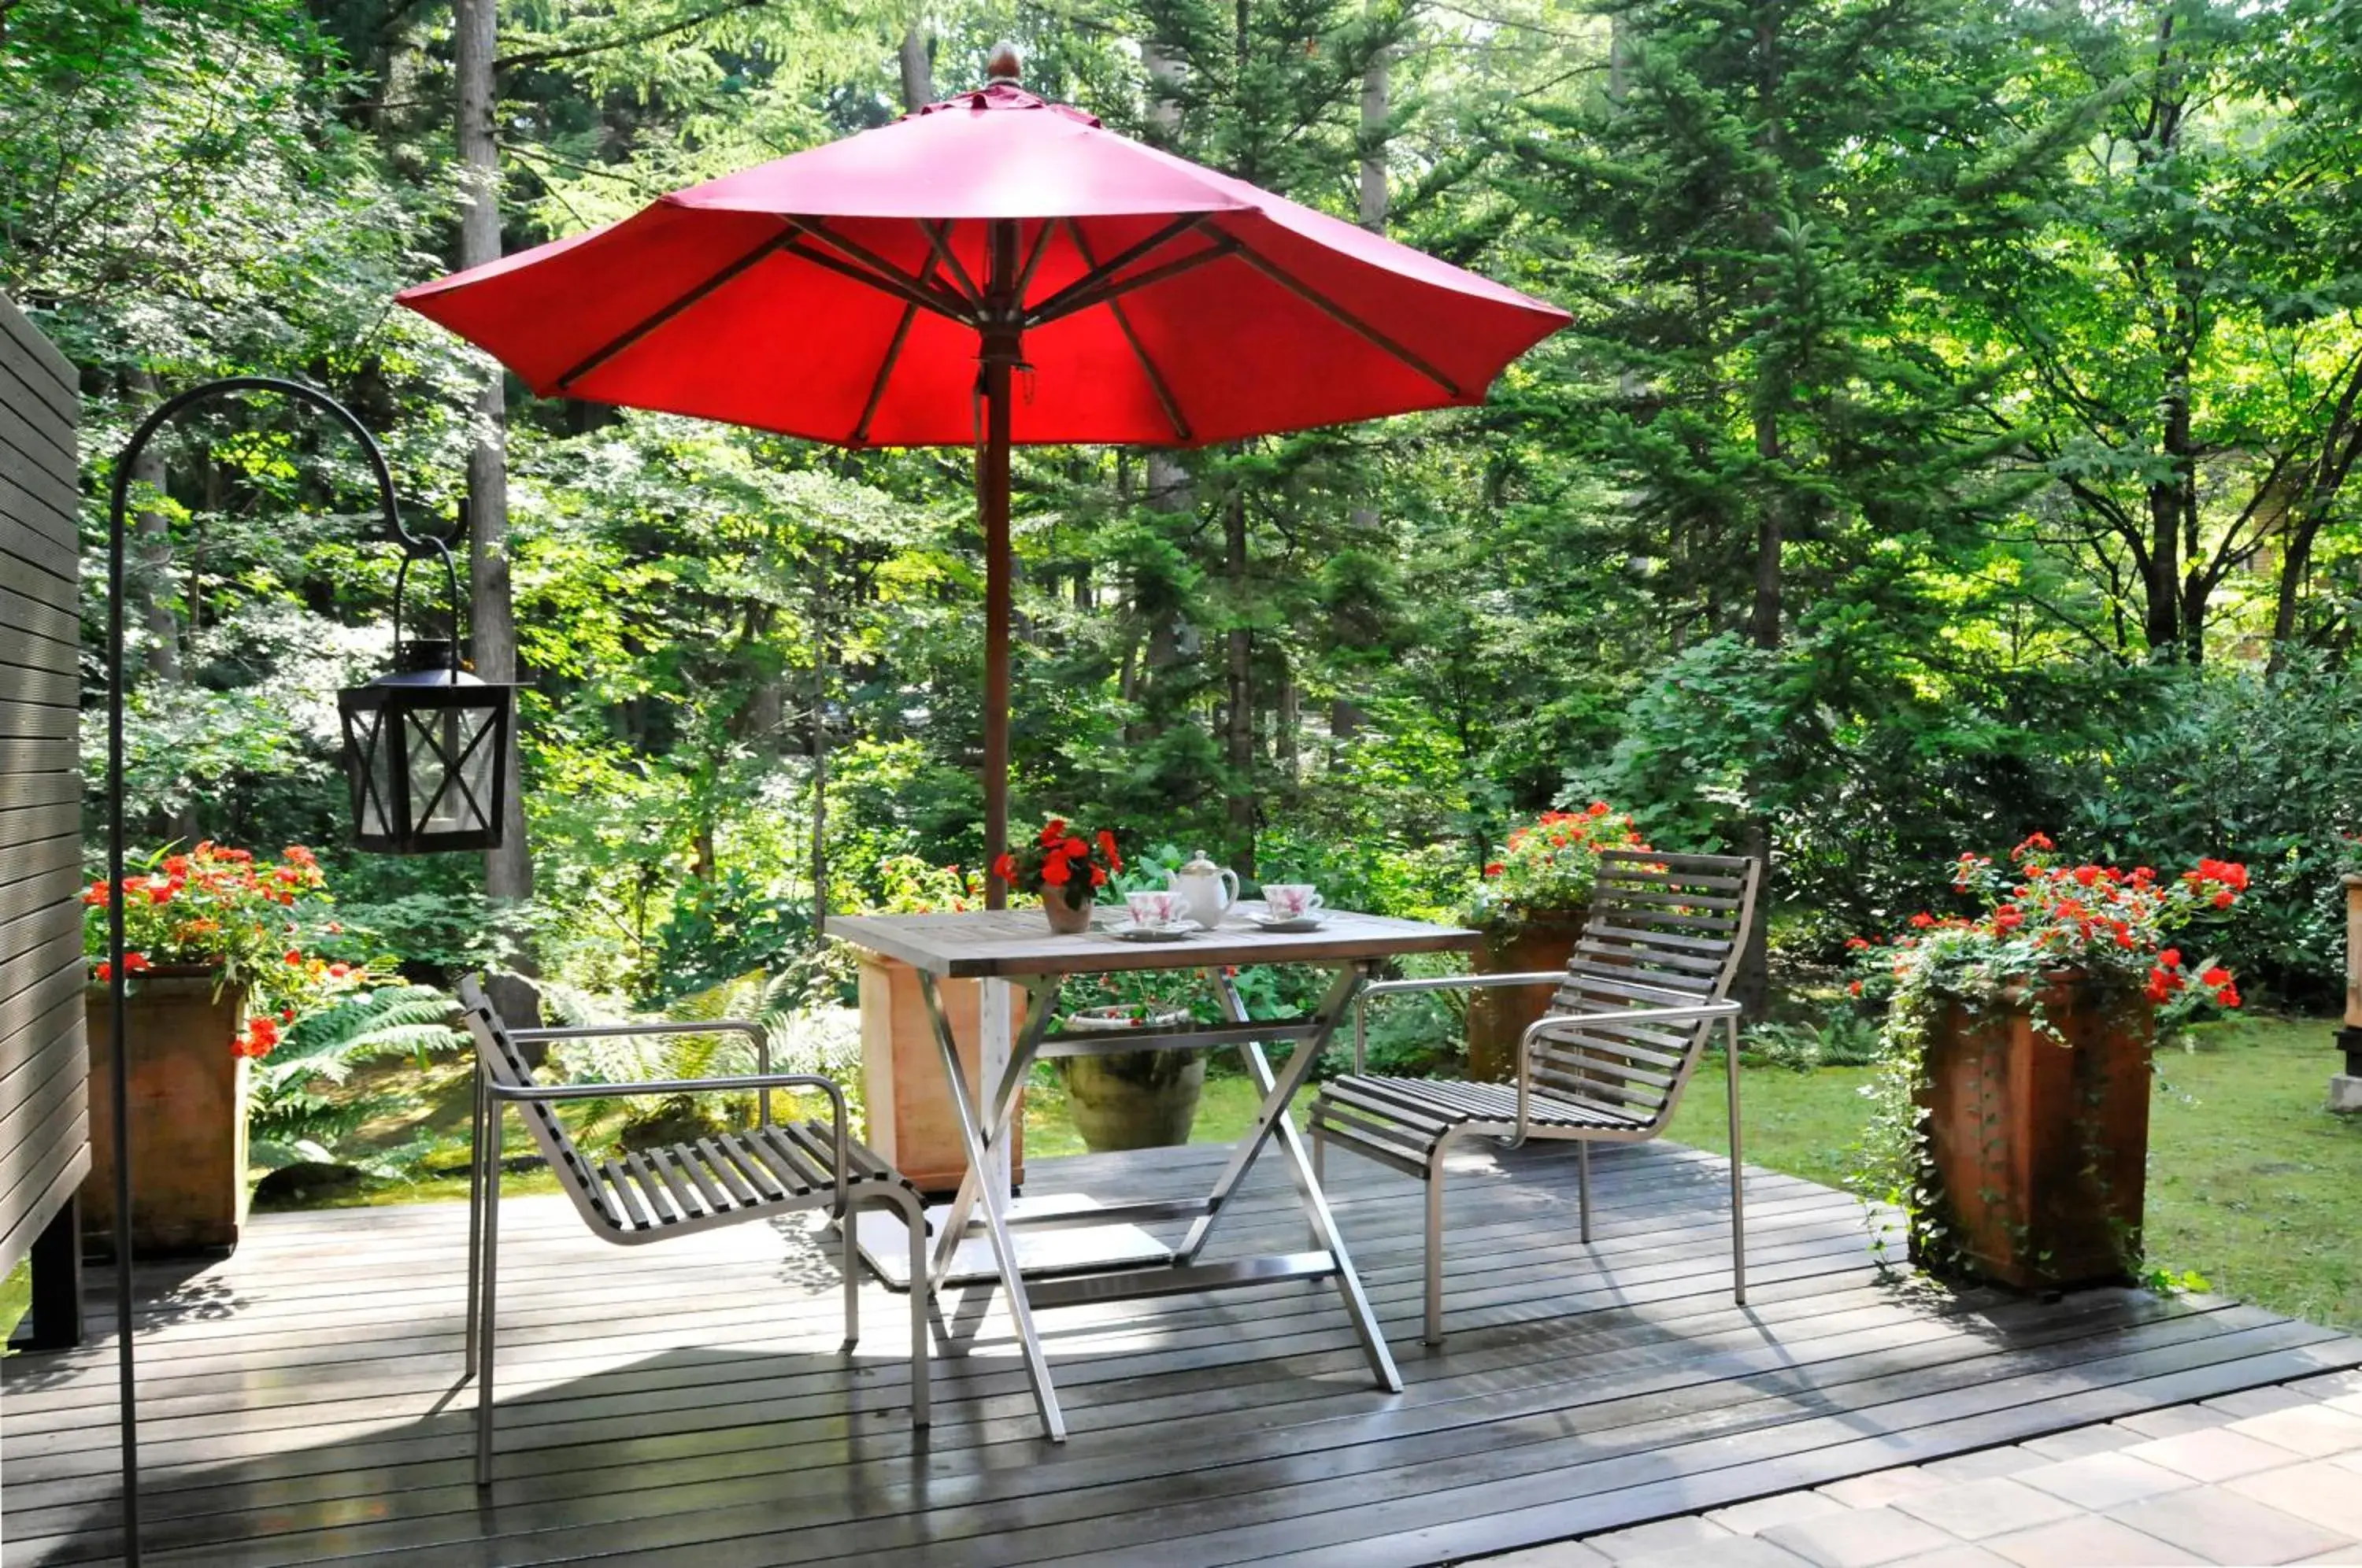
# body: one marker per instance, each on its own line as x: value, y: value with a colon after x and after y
x: 773, y: 1168
x: 1641, y: 995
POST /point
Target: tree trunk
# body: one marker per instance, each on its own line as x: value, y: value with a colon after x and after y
x: 1287, y: 726
x: 1239, y: 742
x: 1763, y: 620
x: 152, y: 569
x: 2340, y: 449
x: 153, y: 550
x: 491, y: 618
x: 1346, y: 716
x: 819, y: 750
x: 917, y: 65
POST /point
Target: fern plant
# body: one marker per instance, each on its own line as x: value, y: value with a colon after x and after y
x: 805, y: 1037
x: 296, y: 1114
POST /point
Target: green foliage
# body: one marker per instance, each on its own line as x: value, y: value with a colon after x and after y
x: 303, y: 1109
x: 1836, y: 513
x: 1841, y: 1038
x: 802, y: 1033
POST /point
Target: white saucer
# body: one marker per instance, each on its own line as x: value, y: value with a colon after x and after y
x: 1172, y: 931
x: 1312, y: 919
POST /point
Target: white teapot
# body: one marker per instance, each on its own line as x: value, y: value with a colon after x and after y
x: 1208, y: 889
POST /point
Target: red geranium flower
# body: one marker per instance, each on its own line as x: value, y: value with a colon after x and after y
x: 1057, y: 870
x: 1006, y: 868
x: 1106, y: 848
x: 1053, y: 830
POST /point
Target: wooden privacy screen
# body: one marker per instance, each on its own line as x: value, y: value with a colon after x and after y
x: 44, y: 1062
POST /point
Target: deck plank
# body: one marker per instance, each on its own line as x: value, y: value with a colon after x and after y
x: 686, y: 1403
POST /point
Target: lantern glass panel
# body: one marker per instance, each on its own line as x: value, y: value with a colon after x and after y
x: 451, y: 756
x: 374, y: 803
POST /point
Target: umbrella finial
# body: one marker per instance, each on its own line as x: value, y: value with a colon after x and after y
x: 1004, y: 67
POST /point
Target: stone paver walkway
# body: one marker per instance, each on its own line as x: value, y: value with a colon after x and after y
x: 2271, y: 1476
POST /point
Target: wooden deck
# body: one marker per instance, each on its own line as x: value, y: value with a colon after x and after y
x: 686, y: 1403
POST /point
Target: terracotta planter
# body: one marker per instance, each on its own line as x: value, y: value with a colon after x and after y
x: 1497, y: 1020
x: 911, y: 1122
x: 1066, y: 919
x: 1134, y: 1099
x: 2039, y: 1151
x: 188, y: 1116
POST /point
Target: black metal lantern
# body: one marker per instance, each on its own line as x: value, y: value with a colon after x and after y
x: 427, y: 743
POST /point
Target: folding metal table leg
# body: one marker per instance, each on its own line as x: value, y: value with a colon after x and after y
x: 1042, y: 1005
x: 1272, y: 1115
x: 1737, y: 1166
x: 1278, y: 1090
x: 995, y: 1224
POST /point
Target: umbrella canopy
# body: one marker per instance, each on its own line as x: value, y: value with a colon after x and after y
x: 995, y: 268
x: 841, y: 293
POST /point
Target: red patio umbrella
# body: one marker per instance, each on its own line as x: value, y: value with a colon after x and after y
x: 994, y: 269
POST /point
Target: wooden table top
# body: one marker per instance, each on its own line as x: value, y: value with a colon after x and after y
x: 1001, y: 943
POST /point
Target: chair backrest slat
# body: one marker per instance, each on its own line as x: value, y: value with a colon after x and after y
x: 1664, y: 930
x: 504, y: 1062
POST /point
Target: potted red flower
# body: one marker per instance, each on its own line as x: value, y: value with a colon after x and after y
x: 2012, y: 1111
x: 1067, y: 867
x: 218, y: 966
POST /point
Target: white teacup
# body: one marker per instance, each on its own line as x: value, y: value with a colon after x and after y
x: 1291, y: 901
x: 1160, y: 907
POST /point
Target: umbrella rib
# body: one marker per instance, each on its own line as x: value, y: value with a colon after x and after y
x: 886, y: 368
x: 1056, y: 305
x: 1109, y: 292
x: 1041, y: 247
x: 938, y: 236
x: 1156, y: 382
x: 648, y: 324
x: 1342, y: 316
x: 876, y: 270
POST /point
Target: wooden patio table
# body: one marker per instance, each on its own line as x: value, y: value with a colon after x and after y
x: 1017, y: 946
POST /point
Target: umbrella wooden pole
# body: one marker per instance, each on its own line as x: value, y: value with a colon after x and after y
x: 1000, y: 351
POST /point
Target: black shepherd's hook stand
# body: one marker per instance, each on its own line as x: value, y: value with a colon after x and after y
x: 164, y: 413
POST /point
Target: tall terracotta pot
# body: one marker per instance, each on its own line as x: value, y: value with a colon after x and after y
x: 189, y: 1093
x: 2039, y: 1150
x: 911, y: 1123
x: 1498, y: 1019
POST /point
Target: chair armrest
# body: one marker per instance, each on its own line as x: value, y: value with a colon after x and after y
x: 1470, y: 982
x: 543, y: 1094
x: 746, y: 1026
x: 1574, y: 1021
x: 1561, y: 1022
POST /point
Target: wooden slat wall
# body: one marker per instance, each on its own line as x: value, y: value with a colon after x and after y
x: 44, y: 1061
